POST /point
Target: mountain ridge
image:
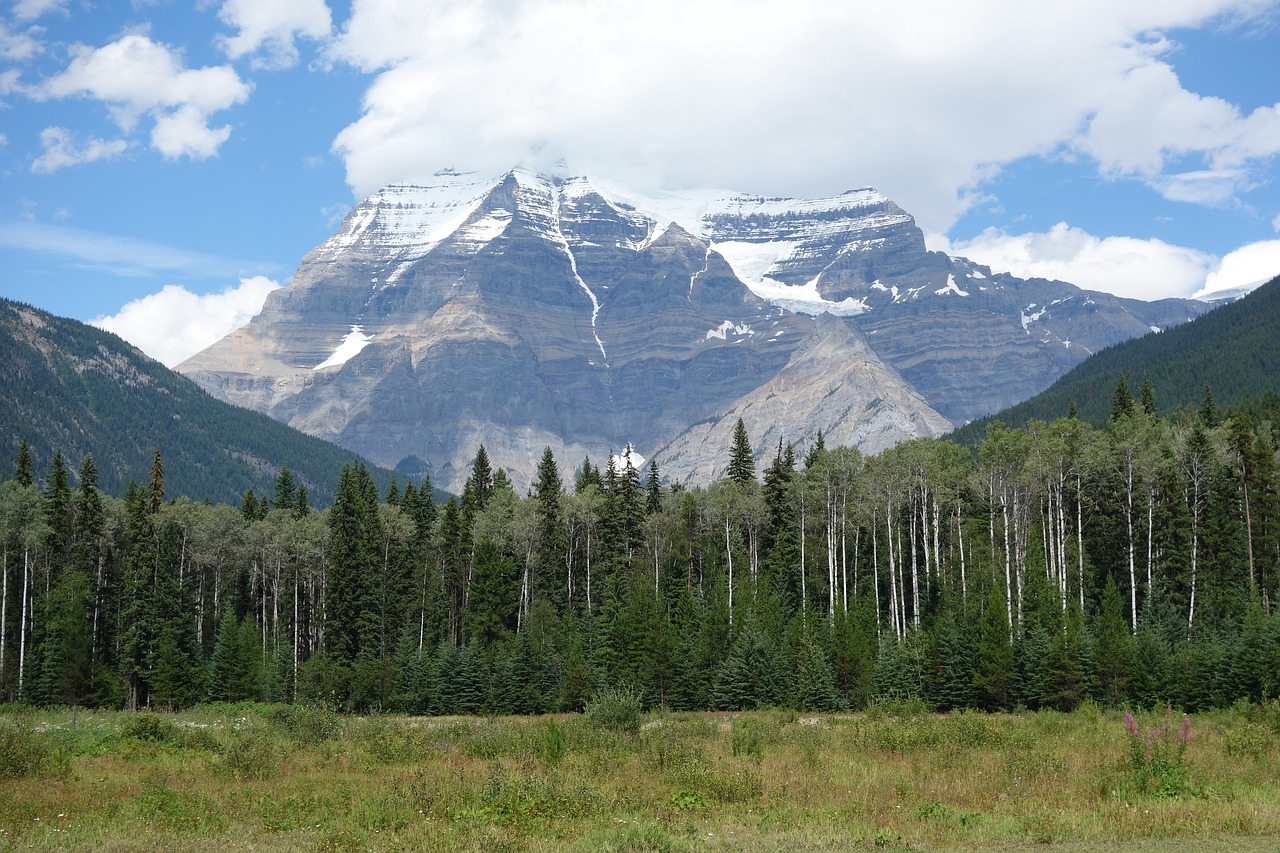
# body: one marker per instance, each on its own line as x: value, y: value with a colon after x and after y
x: 530, y: 311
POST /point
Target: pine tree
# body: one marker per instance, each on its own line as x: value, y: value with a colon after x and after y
x: 1147, y: 397
x: 286, y: 496
x: 552, y: 541
x: 993, y: 672
x: 352, y: 623
x: 1122, y: 404
x: 1114, y: 647
x: 155, y: 485
x: 653, y: 490
x: 22, y: 468
x: 1208, y: 409
x: 481, y: 479
x: 742, y: 463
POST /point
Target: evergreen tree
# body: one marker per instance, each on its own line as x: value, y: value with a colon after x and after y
x: 155, y: 485
x: 742, y: 463
x: 653, y: 490
x: 551, y: 537
x: 1147, y: 397
x: 286, y: 496
x: 22, y: 467
x: 1114, y: 646
x: 993, y: 671
x: 481, y: 479
x: 1208, y: 409
x: 1122, y: 404
x: 351, y: 598
x: 747, y: 679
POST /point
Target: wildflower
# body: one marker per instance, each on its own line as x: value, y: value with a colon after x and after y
x: 1130, y: 724
x: 1185, y: 734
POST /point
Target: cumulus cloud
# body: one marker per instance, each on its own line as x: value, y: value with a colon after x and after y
x: 1246, y: 267
x: 175, y: 324
x: 929, y: 99
x: 60, y: 150
x: 135, y: 76
x: 1125, y: 266
x: 270, y: 28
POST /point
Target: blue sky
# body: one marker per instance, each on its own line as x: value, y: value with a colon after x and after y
x: 165, y: 165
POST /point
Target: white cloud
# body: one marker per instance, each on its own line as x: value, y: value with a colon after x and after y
x: 175, y: 324
x: 1125, y: 266
x: 60, y: 150
x: 1256, y: 263
x: 16, y: 47
x: 928, y: 99
x: 1275, y: 223
x: 29, y: 10
x: 136, y: 76
x: 272, y: 27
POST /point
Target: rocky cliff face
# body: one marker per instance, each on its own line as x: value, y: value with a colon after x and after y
x: 527, y: 312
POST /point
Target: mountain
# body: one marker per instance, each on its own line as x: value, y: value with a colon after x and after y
x: 70, y: 387
x: 1235, y: 350
x: 530, y: 311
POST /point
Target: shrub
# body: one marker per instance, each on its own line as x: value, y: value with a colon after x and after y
x: 616, y: 708
x: 23, y: 752
x: 551, y: 747
x: 305, y: 725
x: 251, y: 755
x: 151, y: 727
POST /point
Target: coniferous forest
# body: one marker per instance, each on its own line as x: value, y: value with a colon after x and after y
x: 1133, y: 563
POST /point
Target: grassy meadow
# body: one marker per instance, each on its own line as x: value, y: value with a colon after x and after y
x: 296, y: 778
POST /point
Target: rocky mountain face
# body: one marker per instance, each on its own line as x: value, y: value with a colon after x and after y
x: 528, y: 311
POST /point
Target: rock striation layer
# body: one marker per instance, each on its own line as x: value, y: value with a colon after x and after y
x: 532, y: 311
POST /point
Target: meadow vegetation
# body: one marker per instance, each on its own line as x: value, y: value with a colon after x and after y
x: 292, y: 777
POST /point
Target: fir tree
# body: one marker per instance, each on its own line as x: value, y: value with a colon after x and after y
x: 1114, y: 647
x: 155, y: 485
x: 1147, y: 397
x: 653, y: 490
x: 22, y: 468
x: 742, y: 463
x: 286, y: 490
x: 1122, y: 404
x: 993, y: 670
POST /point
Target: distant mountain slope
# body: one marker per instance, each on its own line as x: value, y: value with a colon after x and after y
x: 71, y: 387
x: 531, y: 311
x: 1234, y: 349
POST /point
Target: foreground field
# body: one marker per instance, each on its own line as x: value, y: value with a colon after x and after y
x: 288, y: 778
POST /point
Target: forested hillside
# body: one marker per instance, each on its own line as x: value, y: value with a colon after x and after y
x: 1235, y: 350
x: 1131, y: 563
x: 70, y: 387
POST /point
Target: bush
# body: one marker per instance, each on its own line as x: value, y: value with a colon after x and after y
x: 551, y: 747
x: 23, y: 752
x: 305, y: 725
x: 251, y: 755
x: 150, y: 727
x: 616, y: 708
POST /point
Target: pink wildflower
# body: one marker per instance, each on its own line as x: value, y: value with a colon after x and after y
x: 1185, y: 734
x: 1130, y: 724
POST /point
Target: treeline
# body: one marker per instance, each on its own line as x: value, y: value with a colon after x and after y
x: 1132, y: 563
x: 1233, y: 348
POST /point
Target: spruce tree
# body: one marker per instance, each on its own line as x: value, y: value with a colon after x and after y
x: 22, y: 467
x: 742, y: 463
x: 1114, y: 647
x: 993, y: 670
x: 1121, y: 400
x: 286, y: 496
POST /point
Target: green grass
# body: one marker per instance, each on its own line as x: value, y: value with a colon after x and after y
x: 281, y: 778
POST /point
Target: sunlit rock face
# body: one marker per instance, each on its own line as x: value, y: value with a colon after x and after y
x: 528, y: 311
